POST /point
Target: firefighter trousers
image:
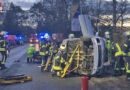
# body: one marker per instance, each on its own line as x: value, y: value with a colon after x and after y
x: 128, y: 67
x: 119, y: 67
x: 44, y: 60
x: 4, y: 57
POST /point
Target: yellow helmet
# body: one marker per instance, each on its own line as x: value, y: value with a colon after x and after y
x: 46, y: 36
x: 71, y: 36
x: 127, y: 33
x: 107, y: 33
x: 62, y: 47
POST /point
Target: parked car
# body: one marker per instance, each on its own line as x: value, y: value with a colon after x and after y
x: 12, y: 40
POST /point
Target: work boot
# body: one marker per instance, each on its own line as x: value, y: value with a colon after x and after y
x: 3, y: 67
x: 58, y: 73
x: 27, y: 60
x: 53, y: 74
x: 128, y: 78
x: 42, y: 68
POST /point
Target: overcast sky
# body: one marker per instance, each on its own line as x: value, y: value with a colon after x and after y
x: 26, y: 4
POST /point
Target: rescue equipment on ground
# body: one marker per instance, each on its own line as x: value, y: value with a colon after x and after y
x: 14, y: 79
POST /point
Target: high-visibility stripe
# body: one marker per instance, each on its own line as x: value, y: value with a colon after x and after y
x: 119, y: 68
x: 3, y: 60
x: 57, y: 57
x: 108, y: 44
x: 62, y: 60
x: 123, y: 68
x: 43, y: 46
x: 1, y: 41
x: 120, y: 52
x: 57, y: 68
x: 128, y: 54
x: 2, y: 49
x: 42, y: 64
x: 127, y: 68
x: 42, y: 53
x: 112, y: 47
x: 46, y: 52
x: 55, y: 51
x: 125, y: 45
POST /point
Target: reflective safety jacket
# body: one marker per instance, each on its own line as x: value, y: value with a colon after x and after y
x: 127, y: 47
x: 3, y: 44
x: 30, y: 51
x: 108, y: 44
x: 58, y: 61
x: 127, y: 51
x: 117, y: 50
x: 53, y: 48
x: 44, y: 47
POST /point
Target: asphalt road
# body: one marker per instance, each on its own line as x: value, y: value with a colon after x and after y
x: 16, y: 64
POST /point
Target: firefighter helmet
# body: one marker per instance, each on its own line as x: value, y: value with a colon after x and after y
x: 46, y: 36
x: 127, y: 33
x: 107, y: 33
x: 62, y: 47
x: 71, y: 36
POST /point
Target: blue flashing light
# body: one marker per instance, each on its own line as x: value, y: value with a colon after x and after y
x: 42, y: 37
x: 20, y: 37
x: 6, y: 35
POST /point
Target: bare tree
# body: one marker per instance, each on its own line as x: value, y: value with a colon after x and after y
x: 119, y: 11
x: 122, y: 9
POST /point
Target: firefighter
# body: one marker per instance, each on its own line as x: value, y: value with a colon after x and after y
x: 108, y: 44
x: 30, y: 52
x: 108, y: 61
x: 3, y: 49
x: 127, y: 52
x: 71, y: 36
x: 59, y: 61
x: 52, y: 51
x: 119, y: 65
x: 54, y: 45
x: 44, y: 50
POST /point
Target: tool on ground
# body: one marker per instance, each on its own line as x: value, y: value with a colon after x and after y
x: 14, y: 79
